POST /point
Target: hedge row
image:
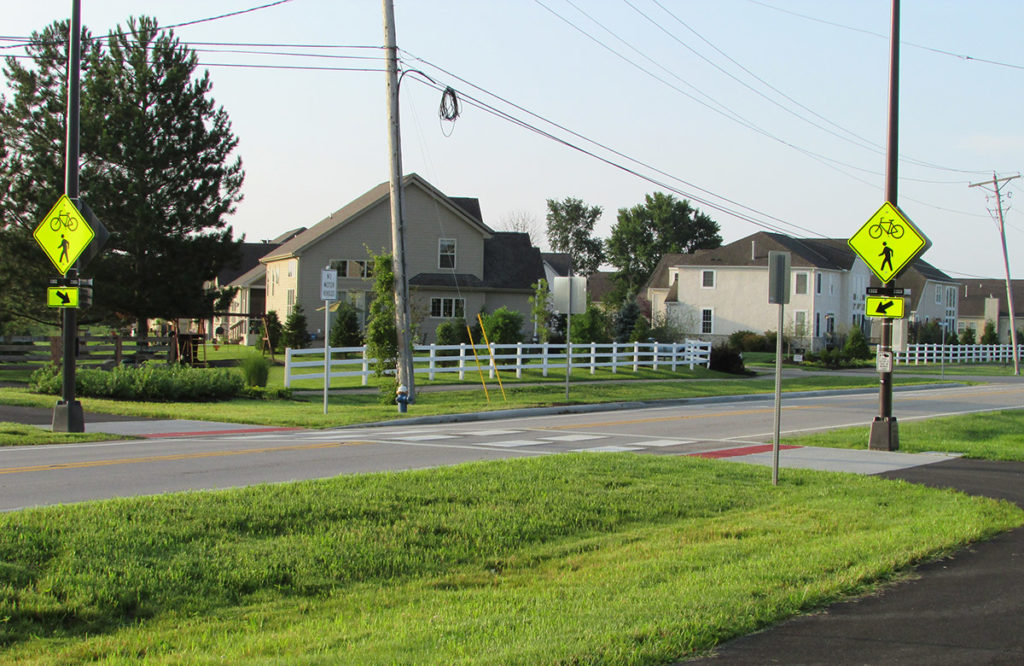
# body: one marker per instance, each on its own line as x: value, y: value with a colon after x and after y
x: 151, y: 382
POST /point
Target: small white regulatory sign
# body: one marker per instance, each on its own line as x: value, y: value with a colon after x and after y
x: 884, y: 362
x: 328, y: 284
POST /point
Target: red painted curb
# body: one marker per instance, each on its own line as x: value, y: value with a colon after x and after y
x: 742, y: 451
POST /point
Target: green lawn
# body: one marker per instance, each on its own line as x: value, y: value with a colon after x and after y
x: 350, y: 408
x: 17, y: 434
x: 584, y: 558
x: 992, y: 435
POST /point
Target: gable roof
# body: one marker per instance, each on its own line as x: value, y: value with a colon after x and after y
x: 558, y: 261
x: 464, y: 207
x: 249, y: 257
x: 974, y: 292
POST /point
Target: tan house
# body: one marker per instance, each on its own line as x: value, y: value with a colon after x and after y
x: 985, y: 300
x: 714, y: 293
x: 456, y: 264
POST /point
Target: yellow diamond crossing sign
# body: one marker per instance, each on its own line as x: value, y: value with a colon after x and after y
x: 888, y: 242
x: 63, y: 234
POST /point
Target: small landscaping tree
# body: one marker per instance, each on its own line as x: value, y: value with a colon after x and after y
x: 968, y: 336
x: 990, y: 337
x: 625, y: 320
x: 274, y: 330
x: 856, y: 346
x: 641, y: 330
x: 345, y: 327
x: 591, y: 326
x: 503, y: 326
x: 540, y: 310
x: 381, y: 331
x: 296, y: 333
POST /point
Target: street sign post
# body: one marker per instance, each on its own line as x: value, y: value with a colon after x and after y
x: 63, y: 234
x: 328, y: 293
x: 888, y: 242
x: 779, y: 264
x: 893, y: 307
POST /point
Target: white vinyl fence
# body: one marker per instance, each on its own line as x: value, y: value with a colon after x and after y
x: 434, y: 360
x: 917, y: 354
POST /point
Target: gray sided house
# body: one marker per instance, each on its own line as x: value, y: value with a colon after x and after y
x: 456, y: 264
x: 714, y: 293
x: 985, y: 300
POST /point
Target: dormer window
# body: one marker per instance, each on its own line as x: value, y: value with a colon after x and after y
x: 446, y: 253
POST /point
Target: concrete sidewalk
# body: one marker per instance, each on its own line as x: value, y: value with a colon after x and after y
x: 966, y: 609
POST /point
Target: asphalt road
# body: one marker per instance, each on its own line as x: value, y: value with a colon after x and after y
x: 205, y: 456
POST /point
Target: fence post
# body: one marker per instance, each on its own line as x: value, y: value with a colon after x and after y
x: 462, y: 360
x: 544, y: 358
x: 675, y: 355
x: 118, y: 349
x: 593, y: 357
x: 636, y: 356
x: 432, y: 360
x: 654, y: 359
x: 287, y: 367
x: 519, y: 360
x: 366, y: 367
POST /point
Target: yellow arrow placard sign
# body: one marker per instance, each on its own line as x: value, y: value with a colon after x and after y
x: 62, y: 297
x: 888, y: 242
x: 63, y: 234
x: 885, y: 306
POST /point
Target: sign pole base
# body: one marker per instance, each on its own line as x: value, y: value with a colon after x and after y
x: 68, y: 417
x: 885, y: 434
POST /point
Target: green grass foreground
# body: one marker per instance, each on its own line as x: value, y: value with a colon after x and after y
x: 581, y: 558
x: 990, y: 435
x: 18, y: 434
x: 347, y: 408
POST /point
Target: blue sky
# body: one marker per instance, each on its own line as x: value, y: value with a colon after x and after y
x: 313, y: 139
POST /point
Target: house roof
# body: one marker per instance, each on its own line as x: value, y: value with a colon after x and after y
x: 558, y: 261
x: 599, y: 285
x: 249, y: 257
x: 823, y: 253
x: 467, y: 208
x: 974, y: 292
x: 510, y: 262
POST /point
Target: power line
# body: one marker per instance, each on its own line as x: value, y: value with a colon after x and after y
x: 959, y: 56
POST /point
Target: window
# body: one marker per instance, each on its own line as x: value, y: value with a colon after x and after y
x: 446, y: 253
x: 817, y: 283
x: 830, y: 323
x: 353, y: 268
x: 291, y: 300
x: 291, y: 269
x: 707, y: 320
x: 800, y: 323
x: 447, y: 307
x: 938, y: 294
x: 800, y: 286
x: 707, y: 279
x: 817, y: 323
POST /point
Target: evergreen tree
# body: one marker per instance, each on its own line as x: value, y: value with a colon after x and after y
x: 275, y: 330
x: 157, y: 169
x: 989, y: 336
x: 296, y: 331
x: 856, y: 345
x: 381, y: 333
x: 345, y: 327
x: 625, y: 321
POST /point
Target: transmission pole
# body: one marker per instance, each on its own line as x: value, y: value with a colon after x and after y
x: 997, y: 185
x: 404, y: 370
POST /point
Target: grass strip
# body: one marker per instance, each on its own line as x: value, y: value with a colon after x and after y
x: 18, y: 434
x: 611, y: 558
x: 356, y: 408
x: 991, y: 436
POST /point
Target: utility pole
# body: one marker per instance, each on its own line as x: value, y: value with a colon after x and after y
x: 67, y: 414
x: 884, y: 434
x: 402, y: 316
x: 997, y: 185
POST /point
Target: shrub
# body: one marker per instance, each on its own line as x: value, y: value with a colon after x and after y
x: 989, y: 336
x: 274, y: 330
x: 345, y: 327
x: 856, y: 346
x: 726, y: 359
x: 152, y: 382
x: 255, y: 369
x: 591, y: 326
x: 749, y: 341
x: 503, y: 326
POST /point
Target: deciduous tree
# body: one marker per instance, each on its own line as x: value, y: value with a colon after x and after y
x: 571, y: 230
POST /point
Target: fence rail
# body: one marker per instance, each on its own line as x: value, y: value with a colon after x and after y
x: 434, y: 360
x: 917, y: 354
x: 93, y: 350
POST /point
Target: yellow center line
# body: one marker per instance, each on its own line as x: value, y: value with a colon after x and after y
x: 173, y: 457
x: 685, y: 417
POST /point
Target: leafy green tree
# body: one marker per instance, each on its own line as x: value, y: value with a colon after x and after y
x: 381, y: 332
x: 591, y: 326
x: 625, y: 321
x: 990, y: 337
x: 452, y: 332
x: 503, y: 326
x: 644, y: 233
x: 157, y: 168
x: 968, y: 336
x: 570, y: 230
x: 641, y: 330
x: 345, y: 327
x: 540, y: 310
x: 296, y: 330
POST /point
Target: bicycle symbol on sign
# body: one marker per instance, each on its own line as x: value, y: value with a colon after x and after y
x: 63, y: 220
x: 886, y: 226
